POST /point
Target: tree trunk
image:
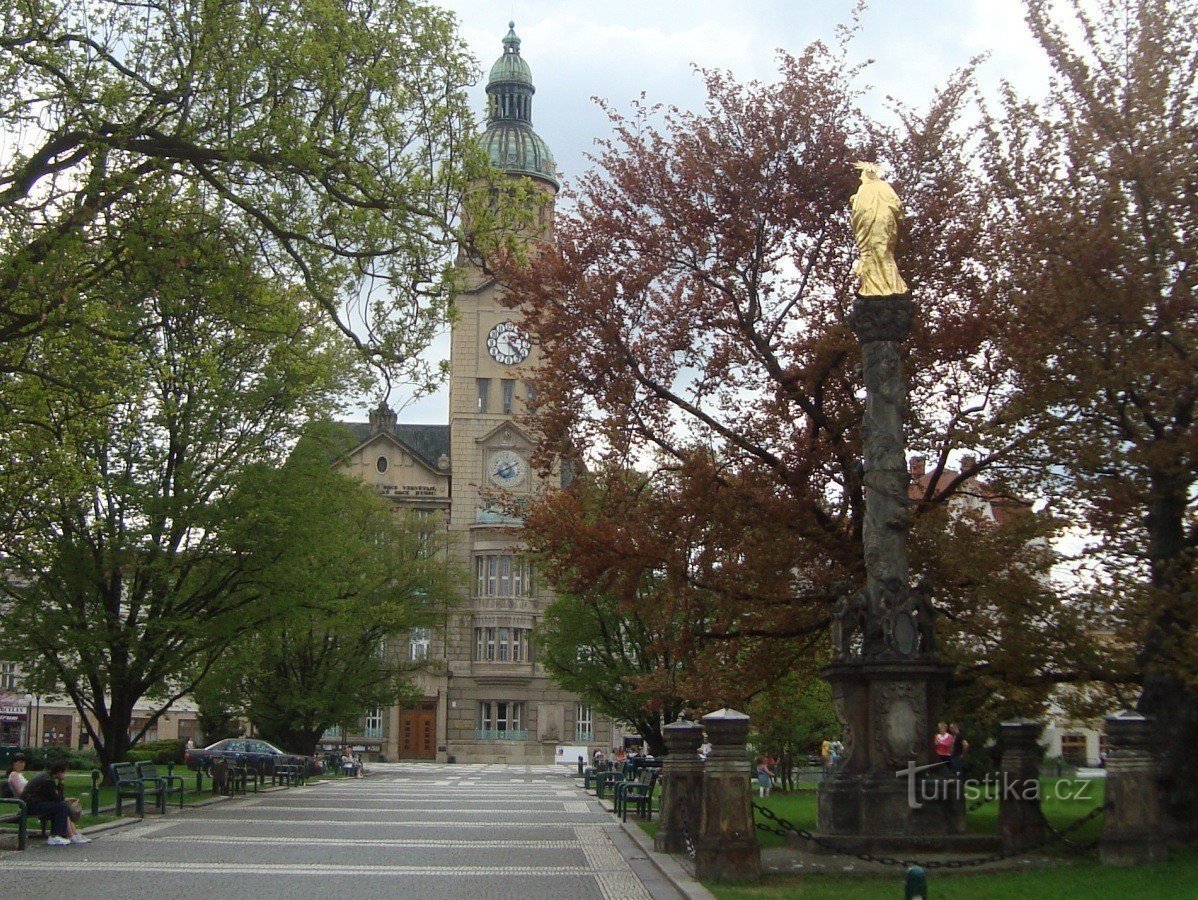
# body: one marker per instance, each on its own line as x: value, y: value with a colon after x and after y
x: 1165, y: 697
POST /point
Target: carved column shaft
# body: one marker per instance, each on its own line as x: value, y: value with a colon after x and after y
x: 881, y: 324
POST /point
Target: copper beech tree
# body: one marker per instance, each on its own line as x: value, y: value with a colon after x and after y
x: 692, y: 314
x: 1094, y: 237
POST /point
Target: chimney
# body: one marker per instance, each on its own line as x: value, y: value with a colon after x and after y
x: 383, y: 418
x: 918, y: 466
x: 968, y: 461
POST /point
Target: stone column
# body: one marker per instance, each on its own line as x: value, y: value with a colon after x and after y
x: 1020, y: 822
x: 681, y: 786
x: 726, y: 847
x: 1132, y: 823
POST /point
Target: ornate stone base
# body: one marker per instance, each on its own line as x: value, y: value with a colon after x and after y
x: 887, y: 785
x: 882, y: 804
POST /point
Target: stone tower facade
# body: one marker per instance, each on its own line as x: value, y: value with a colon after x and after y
x: 486, y: 699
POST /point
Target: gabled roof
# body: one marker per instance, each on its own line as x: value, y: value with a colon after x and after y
x: 427, y: 442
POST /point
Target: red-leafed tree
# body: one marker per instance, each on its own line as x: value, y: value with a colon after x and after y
x: 1094, y: 242
x: 692, y: 314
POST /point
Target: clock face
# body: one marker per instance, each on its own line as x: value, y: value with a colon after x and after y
x: 506, y: 468
x: 507, y: 344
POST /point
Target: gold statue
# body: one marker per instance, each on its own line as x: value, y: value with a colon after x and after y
x: 876, y: 215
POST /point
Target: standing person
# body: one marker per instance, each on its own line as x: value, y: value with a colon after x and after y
x: 942, y: 743
x: 960, y: 748
x: 43, y: 796
x: 837, y: 752
x: 825, y: 751
x: 765, y: 777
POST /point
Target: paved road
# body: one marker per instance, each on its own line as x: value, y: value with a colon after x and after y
x: 411, y: 830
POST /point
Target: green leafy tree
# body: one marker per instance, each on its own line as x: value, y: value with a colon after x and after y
x: 346, y: 577
x: 335, y: 135
x: 790, y: 719
x: 123, y: 584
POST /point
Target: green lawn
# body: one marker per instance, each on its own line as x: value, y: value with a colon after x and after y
x: 1174, y: 879
x: 1064, y: 801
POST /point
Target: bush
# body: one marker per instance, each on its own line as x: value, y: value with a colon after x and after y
x: 158, y: 752
x: 41, y: 757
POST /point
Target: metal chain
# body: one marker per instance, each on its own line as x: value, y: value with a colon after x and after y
x: 980, y: 802
x: 784, y: 826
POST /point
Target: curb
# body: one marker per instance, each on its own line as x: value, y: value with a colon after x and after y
x: 667, y: 865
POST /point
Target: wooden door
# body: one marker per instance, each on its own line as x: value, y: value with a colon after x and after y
x: 418, y: 731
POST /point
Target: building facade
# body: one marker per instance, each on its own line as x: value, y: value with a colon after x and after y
x: 485, y: 697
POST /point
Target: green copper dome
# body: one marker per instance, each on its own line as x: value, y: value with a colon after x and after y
x: 509, y: 140
x: 511, y: 66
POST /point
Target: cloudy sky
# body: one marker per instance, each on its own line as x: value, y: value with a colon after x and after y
x: 619, y: 49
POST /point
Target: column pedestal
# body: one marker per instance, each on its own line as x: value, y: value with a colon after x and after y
x: 726, y: 847
x: 1132, y: 824
x: 681, y: 786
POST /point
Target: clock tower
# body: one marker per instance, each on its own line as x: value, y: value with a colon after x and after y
x: 502, y: 706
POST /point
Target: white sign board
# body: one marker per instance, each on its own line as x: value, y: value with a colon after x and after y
x: 568, y: 755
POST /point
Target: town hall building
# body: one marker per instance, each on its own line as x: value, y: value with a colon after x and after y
x: 485, y: 698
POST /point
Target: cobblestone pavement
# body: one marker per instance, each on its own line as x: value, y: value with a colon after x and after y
x: 409, y: 830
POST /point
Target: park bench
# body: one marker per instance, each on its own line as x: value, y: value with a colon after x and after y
x: 288, y: 775
x: 171, y: 784
x: 13, y: 811
x: 620, y: 788
x: 639, y: 793
x: 128, y: 783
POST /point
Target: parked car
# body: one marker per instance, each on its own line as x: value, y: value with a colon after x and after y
x: 258, y: 756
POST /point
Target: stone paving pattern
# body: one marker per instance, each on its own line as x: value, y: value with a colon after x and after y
x: 409, y: 830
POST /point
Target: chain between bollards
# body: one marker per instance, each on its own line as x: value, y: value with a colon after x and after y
x: 1055, y: 835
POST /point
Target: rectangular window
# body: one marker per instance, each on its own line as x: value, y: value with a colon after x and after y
x: 509, y: 394
x: 501, y: 720
x: 531, y: 394
x: 501, y: 644
x: 584, y: 729
x: 502, y: 575
x: 484, y: 389
x: 8, y: 676
x: 418, y: 643
x: 374, y: 723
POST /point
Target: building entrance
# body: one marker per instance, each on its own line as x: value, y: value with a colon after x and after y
x: 418, y: 731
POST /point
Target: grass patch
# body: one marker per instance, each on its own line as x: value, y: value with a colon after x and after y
x: 1175, y: 878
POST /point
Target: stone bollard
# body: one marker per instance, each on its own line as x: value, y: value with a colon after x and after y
x: 1020, y: 821
x: 1132, y: 823
x: 681, y: 786
x: 726, y: 846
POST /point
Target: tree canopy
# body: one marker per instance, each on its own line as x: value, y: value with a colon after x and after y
x: 1093, y: 252
x: 328, y: 141
x: 692, y: 316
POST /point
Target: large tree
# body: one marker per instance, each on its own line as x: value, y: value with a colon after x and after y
x: 692, y: 316
x: 336, y: 134
x: 1094, y: 253
x: 346, y: 577
x: 124, y: 584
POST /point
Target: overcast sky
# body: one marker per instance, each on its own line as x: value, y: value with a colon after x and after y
x: 619, y: 49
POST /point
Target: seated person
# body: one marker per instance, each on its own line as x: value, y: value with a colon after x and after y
x: 347, y: 763
x: 43, y: 797
x: 14, y: 780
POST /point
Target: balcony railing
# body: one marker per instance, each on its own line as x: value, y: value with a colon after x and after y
x: 493, y: 734
x: 372, y: 731
x: 584, y: 737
